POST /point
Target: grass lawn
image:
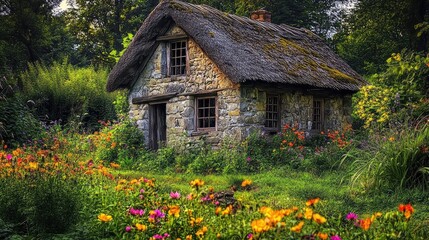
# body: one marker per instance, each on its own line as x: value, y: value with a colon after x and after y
x: 285, y: 187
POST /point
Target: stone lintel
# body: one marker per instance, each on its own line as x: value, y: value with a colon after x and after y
x: 155, y: 98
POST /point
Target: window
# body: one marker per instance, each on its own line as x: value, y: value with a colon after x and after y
x: 177, y: 58
x: 272, y: 112
x: 318, y: 116
x: 206, y: 113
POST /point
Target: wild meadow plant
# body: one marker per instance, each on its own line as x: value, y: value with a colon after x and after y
x: 56, y: 194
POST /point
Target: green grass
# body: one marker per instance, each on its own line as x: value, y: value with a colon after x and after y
x: 284, y: 187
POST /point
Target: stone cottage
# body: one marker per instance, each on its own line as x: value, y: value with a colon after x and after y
x: 195, y: 71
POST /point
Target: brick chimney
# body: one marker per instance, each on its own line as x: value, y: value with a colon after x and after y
x: 261, y: 15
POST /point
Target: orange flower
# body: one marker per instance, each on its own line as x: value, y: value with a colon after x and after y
x: 322, y: 236
x: 312, y: 202
x: 114, y: 165
x: 195, y: 221
x: 246, y: 183
x: 218, y: 210
x: 407, y: 209
x: 291, y: 144
x: 297, y: 228
x: 201, y: 232
x: 174, y: 210
x: 365, y: 223
x: 104, y: 217
x: 227, y: 210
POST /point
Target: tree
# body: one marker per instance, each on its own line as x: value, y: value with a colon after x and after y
x: 28, y: 33
x: 376, y: 29
x: 100, y: 25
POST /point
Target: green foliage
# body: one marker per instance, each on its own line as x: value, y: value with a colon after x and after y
x: 17, y: 123
x: 375, y: 29
x: 396, y: 95
x: 100, y: 26
x: 120, y: 142
x: 75, y: 96
x: 40, y: 205
x: 31, y: 31
x: 56, y: 205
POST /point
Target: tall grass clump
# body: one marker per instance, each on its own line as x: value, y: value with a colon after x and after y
x: 399, y: 161
x: 76, y: 96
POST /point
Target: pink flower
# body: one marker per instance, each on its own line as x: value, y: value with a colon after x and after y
x: 335, y: 237
x: 128, y: 228
x: 136, y: 212
x: 9, y: 157
x: 159, y: 236
x: 248, y: 159
x: 174, y: 195
x: 155, y: 215
x: 351, y: 216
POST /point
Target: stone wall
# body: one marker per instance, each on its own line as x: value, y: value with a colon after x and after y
x: 296, y: 109
x: 203, y: 75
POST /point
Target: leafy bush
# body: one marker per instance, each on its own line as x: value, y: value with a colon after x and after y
x: 77, y: 96
x: 396, y: 94
x: 117, y: 142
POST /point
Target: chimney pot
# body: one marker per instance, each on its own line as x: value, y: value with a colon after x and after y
x: 261, y: 15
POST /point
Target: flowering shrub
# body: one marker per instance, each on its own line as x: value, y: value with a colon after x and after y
x: 396, y: 94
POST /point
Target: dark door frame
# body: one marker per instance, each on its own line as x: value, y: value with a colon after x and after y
x: 157, y: 125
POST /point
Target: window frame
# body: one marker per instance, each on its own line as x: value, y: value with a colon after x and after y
x: 318, y: 125
x: 267, y: 112
x: 169, y: 57
x: 197, y: 117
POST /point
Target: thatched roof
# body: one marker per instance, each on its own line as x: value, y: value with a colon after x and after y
x: 243, y: 49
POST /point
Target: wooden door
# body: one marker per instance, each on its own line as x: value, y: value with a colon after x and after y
x: 158, y: 126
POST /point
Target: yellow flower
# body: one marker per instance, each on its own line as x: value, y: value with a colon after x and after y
x: 308, y: 213
x: 104, y: 217
x: 174, y: 210
x: 197, y: 183
x: 297, y: 228
x: 195, y: 221
x: 141, y: 227
x: 246, y: 183
x: 391, y: 139
x: 227, y: 210
x: 260, y: 225
x: 319, y: 218
x: 188, y: 237
x: 201, y: 231
x: 33, y: 165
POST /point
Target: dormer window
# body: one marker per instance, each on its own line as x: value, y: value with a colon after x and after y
x: 178, y: 58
